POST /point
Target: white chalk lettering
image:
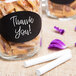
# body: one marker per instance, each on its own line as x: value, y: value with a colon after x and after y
x: 19, y: 23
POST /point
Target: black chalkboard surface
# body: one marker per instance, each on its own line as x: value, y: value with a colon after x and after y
x: 20, y: 26
x: 62, y: 1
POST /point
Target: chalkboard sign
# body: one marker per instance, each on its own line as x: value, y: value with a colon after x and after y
x: 20, y: 26
x: 62, y: 1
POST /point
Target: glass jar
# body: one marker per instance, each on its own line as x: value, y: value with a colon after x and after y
x: 20, y: 24
x: 61, y: 9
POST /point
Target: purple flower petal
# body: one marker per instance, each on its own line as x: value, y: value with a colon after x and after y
x: 61, y: 31
x: 57, y: 44
x: 75, y: 28
x: 75, y: 44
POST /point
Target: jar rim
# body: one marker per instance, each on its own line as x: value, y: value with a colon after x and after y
x: 8, y: 1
